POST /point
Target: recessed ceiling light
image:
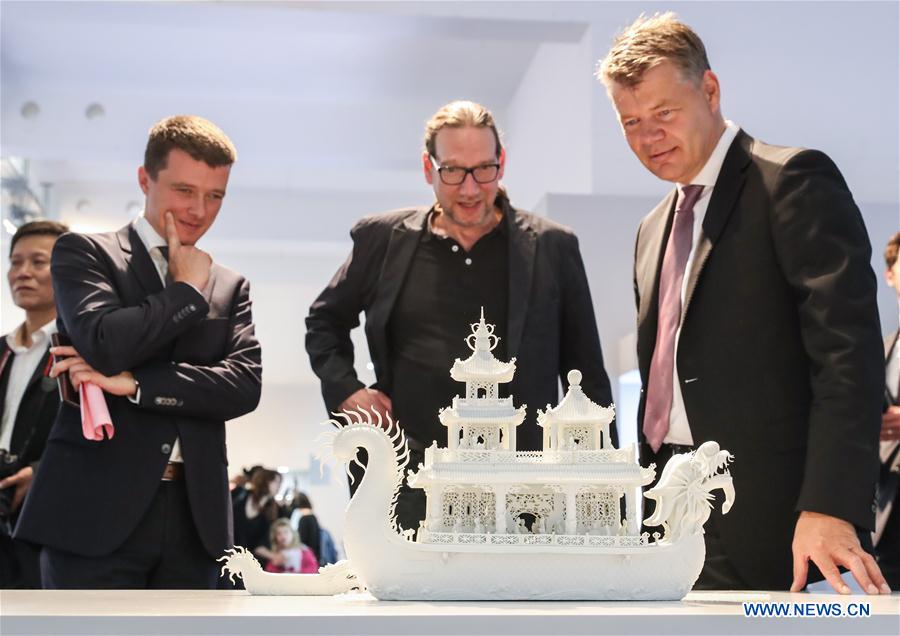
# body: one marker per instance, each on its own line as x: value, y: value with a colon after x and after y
x: 94, y: 111
x: 30, y: 110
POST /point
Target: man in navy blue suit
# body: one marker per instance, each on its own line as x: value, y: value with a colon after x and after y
x: 168, y: 335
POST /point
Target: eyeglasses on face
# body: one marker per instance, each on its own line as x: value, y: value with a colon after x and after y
x: 455, y: 175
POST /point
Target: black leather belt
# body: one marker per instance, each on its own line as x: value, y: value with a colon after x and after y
x: 174, y: 471
x: 675, y: 449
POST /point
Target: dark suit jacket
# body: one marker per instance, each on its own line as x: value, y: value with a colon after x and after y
x: 198, y: 364
x: 551, y: 325
x: 37, y: 410
x: 780, y: 357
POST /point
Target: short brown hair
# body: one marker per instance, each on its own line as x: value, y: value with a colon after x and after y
x: 198, y: 137
x: 649, y: 41
x: 37, y: 228
x: 892, y: 249
x: 459, y: 114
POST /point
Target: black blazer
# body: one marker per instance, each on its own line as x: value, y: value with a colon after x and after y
x: 551, y: 324
x: 198, y: 364
x: 780, y: 357
x: 37, y: 410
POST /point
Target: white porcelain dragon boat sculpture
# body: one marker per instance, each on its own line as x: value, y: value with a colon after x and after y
x: 508, y: 525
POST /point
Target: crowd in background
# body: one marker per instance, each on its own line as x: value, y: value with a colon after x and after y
x: 278, y: 524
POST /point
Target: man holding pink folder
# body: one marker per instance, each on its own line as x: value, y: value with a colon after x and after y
x: 133, y: 489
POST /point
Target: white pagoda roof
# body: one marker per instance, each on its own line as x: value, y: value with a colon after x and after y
x: 576, y: 407
x: 482, y: 365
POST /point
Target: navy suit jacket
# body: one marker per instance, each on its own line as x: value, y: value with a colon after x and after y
x: 198, y: 364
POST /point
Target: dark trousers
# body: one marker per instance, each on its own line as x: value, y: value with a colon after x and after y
x: 18, y: 563
x: 163, y: 552
x: 888, y: 549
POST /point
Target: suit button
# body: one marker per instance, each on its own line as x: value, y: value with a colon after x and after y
x: 157, y: 401
x: 166, y: 449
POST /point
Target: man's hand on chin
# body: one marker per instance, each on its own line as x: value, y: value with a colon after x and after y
x: 831, y: 542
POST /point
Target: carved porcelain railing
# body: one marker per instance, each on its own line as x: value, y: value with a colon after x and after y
x: 447, y: 456
x: 600, y: 541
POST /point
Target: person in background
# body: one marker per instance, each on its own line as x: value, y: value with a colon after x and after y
x: 255, y: 513
x: 887, y: 517
x: 287, y: 554
x: 29, y: 398
x: 303, y: 518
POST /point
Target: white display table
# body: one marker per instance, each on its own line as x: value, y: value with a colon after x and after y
x: 227, y: 612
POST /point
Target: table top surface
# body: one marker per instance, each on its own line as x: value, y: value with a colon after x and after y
x: 217, y: 611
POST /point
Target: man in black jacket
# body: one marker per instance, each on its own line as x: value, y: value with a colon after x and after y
x: 28, y: 396
x: 757, y: 321
x: 168, y: 335
x: 422, y: 275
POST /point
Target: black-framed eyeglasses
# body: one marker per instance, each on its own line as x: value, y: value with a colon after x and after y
x: 455, y: 175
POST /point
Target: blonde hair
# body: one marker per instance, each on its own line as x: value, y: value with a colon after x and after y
x: 459, y: 114
x: 646, y: 43
x: 273, y: 530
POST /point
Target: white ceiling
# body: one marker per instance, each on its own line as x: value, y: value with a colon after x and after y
x: 328, y: 99
x: 285, y: 80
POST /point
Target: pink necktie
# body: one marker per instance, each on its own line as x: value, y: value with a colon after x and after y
x: 659, y: 385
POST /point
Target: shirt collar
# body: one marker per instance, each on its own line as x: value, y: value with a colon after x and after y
x: 149, y: 237
x: 710, y: 172
x: 38, y: 338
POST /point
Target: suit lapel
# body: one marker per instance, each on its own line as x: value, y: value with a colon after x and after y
x: 522, y: 243
x: 724, y: 197
x: 139, y: 260
x: 39, y: 371
x: 651, y: 249
x: 405, y: 237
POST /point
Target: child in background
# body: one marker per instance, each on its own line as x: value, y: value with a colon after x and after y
x: 287, y: 553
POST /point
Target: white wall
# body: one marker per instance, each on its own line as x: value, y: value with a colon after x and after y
x: 548, y: 123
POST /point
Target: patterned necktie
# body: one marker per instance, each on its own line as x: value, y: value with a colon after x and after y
x: 659, y: 385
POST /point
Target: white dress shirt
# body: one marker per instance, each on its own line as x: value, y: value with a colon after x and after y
x: 679, y: 428
x: 24, y: 363
x: 153, y: 241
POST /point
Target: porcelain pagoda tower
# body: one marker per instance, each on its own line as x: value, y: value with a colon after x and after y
x: 480, y: 484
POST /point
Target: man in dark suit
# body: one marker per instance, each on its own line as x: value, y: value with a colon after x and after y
x: 28, y: 396
x: 422, y: 275
x: 168, y: 335
x: 757, y: 321
x: 887, y: 518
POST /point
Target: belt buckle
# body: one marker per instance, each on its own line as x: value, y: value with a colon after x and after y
x: 173, y: 472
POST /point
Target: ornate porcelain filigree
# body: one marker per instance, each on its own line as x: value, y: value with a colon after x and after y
x: 508, y: 525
